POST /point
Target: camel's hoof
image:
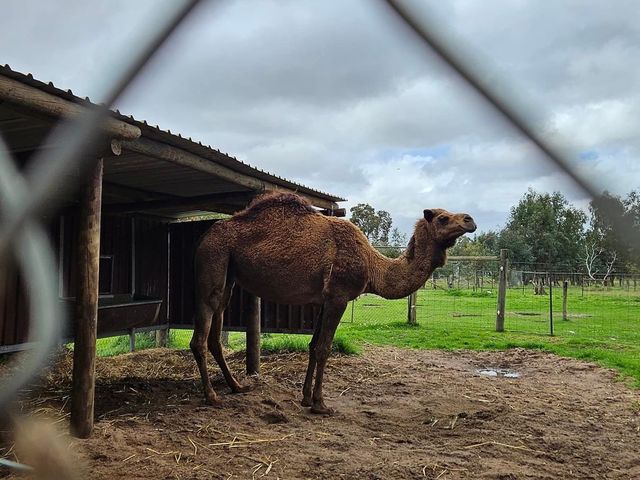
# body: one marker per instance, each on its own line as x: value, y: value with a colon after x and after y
x: 306, y: 402
x: 322, y: 410
x: 213, y: 401
x: 243, y: 388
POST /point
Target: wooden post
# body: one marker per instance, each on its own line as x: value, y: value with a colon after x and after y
x: 224, y: 338
x: 132, y: 340
x: 502, y: 290
x: 565, y: 292
x: 162, y: 337
x: 86, y: 312
x: 411, y: 308
x: 252, y: 315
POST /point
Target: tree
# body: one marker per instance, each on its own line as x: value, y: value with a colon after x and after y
x: 613, y: 234
x: 375, y: 225
x: 545, y: 229
x: 396, y: 245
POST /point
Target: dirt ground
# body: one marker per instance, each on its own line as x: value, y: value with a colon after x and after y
x: 400, y: 414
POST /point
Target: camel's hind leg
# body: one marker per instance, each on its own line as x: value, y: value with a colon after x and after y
x: 215, y: 343
x: 332, y: 311
x: 211, y: 299
x: 202, y: 326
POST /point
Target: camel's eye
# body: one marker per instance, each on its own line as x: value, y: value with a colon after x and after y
x: 443, y: 220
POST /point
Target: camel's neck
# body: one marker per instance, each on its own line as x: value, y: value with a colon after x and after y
x: 397, y: 278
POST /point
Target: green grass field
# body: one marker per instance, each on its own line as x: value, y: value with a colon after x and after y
x: 602, y: 325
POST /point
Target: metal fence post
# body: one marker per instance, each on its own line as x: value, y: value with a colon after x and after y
x: 502, y: 289
x: 565, y: 294
x: 550, y: 304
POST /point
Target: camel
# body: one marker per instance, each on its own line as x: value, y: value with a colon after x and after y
x: 281, y: 249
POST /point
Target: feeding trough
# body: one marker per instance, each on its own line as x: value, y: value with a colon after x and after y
x: 123, y: 312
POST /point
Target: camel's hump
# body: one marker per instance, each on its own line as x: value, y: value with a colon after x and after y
x: 290, y: 202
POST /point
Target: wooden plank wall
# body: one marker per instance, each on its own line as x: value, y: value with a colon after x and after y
x: 151, y: 268
x: 184, y: 239
x: 14, y: 309
x: 152, y: 261
x: 14, y: 297
x: 115, y: 240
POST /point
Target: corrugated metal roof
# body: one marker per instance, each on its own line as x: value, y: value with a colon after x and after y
x: 176, y: 140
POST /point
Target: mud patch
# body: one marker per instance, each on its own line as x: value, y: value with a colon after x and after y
x: 498, y: 372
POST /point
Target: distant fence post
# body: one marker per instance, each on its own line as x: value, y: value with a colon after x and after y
x: 550, y: 304
x: 502, y: 289
x: 411, y: 308
x: 565, y: 292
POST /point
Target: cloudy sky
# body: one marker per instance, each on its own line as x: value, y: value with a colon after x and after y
x: 338, y: 96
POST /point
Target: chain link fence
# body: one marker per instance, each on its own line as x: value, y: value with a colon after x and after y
x: 466, y: 296
x: 26, y: 196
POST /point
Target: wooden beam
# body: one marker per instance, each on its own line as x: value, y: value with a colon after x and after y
x: 179, y: 156
x: 252, y: 315
x: 116, y: 190
x: 478, y: 258
x: 32, y: 98
x: 86, y: 313
x: 187, y: 203
x: 336, y: 212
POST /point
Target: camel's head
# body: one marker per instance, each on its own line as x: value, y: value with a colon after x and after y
x: 447, y: 226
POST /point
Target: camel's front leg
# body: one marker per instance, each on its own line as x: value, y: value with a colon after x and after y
x: 308, y: 379
x: 331, y: 314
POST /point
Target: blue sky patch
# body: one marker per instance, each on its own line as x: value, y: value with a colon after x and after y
x: 588, y: 155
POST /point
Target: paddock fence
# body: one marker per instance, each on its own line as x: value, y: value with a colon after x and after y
x: 539, y: 300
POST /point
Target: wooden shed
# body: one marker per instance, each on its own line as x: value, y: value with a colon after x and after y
x: 125, y: 251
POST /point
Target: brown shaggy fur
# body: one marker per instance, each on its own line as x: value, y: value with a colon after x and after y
x: 281, y: 250
x: 294, y: 204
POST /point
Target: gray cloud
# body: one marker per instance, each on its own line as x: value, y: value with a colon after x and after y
x: 337, y: 96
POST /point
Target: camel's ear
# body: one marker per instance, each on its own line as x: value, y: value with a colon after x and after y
x: 429, y: 214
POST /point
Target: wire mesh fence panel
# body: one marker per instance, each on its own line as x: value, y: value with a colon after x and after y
x: 460, y: 296
x: 541, y: 300
x: 602, y: 311
x: 370, y: 309
x: 529, y: 298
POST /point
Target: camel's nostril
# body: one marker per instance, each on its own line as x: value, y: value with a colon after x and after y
x: 468, y: 219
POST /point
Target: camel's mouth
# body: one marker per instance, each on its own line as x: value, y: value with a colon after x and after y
x: 469, y: 227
